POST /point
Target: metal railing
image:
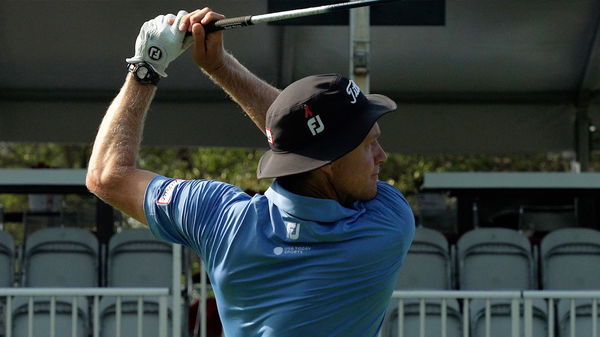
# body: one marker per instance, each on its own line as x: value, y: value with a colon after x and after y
x: 8, y: 295
x: 521, y: 310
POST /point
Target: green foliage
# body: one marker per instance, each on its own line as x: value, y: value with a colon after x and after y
x: 234, y: 166
x: 238, y: 166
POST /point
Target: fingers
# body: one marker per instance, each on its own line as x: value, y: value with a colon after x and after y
x: 210, y: 17
x: 200, y: 16
x: 194, y: 17
x: 177, y: 20
x: 168, y: 19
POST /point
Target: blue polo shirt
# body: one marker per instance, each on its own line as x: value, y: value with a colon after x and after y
x: 285, y: 265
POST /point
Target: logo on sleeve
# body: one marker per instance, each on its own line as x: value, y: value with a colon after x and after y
x: 167, y: 194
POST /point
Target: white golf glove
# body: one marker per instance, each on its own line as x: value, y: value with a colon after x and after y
x: 159, y: 43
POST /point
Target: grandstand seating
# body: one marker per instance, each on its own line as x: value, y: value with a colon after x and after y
x: 7, y: 256
x: 495, y: 259
x: 571, y: 259
x: 61, y: 257
x: 486, y: 259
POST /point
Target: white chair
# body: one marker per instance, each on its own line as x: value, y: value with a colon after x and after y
x: 61, y: 257
x: 137, y: 259
x: 429, y: 248
x: 495, y: 259
x: 427, y: 266
x: 571, y: 259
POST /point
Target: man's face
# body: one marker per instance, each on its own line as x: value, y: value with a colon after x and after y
x: 355, y: 175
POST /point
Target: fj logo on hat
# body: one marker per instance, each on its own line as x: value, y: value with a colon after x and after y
x: 353, y: 90
x: 269, y: 136
x: 315, y: 125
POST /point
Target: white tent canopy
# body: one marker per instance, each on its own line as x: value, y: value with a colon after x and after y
x: 499, y: 77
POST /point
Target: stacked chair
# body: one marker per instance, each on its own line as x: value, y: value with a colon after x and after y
x: 570, y: 260
x: 135, y: 259
x: 498, y: 259
x: 428, y: 266
x: 57, y: 257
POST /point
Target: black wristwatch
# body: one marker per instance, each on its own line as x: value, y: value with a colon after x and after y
x: 144, y: 73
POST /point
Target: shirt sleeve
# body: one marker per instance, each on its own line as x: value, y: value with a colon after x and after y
x: 390, y: 196
x: 187, y: 212
x: 392, y: 205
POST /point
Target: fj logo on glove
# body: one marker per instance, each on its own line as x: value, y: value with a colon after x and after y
x: 155, y: 53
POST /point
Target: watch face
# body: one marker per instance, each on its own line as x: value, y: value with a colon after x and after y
x: 142, y: 72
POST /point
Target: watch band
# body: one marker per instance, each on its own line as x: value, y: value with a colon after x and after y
x: 144, y: 73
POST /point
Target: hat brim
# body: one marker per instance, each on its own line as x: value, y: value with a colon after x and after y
x: 275, y: 164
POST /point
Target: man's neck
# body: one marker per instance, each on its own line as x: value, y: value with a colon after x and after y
x: 314, y: 184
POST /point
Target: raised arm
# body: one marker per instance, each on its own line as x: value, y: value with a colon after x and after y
x: 251, y: 93
x: 112, y: 172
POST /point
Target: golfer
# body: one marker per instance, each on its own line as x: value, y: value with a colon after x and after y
x: 319, y: 253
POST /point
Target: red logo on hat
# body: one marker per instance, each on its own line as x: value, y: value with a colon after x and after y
x: 307, y: 112
x: 269, y: 136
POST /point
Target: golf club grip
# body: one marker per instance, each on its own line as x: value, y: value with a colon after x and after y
x: 222, y: 24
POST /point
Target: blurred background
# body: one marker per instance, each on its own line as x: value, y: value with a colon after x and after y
x: 482, y: 87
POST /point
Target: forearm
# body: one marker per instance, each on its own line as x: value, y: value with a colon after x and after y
x: 117, y: 143
x: 251, y: 93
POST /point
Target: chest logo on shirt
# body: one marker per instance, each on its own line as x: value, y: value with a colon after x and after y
x: 292, y: 230
x: 167, y: 194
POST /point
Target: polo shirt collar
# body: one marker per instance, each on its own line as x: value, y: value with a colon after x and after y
x: 309, y: 208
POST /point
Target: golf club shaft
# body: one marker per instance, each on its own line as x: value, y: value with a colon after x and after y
x: 249, y: 20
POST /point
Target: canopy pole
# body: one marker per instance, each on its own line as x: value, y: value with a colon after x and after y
x: 360, y: 41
